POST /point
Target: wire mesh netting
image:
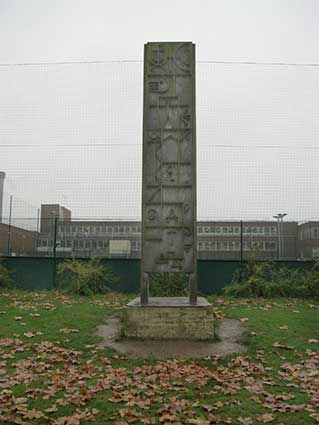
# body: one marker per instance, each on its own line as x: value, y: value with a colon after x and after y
x: 71, y: 134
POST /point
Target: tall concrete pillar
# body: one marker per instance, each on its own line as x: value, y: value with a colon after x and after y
x: 169, y: 163
x: 2, y: 177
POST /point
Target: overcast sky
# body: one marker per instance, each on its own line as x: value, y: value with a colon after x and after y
x: 244, y: 108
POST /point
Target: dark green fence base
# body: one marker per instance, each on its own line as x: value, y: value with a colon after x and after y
x: 34, y: 273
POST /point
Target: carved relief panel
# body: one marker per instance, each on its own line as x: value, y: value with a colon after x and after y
x: 169, y: 159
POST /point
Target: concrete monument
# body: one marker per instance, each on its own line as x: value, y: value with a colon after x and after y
x: 169, y: 163
x: 169, y: 196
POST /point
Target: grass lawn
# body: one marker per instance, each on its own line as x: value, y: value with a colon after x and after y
x: 51, y: 371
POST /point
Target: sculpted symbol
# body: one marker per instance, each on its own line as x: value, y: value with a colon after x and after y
x: 160, y: 86
x: 170, y: 173
x: 155, y: 191
x: 186, y: 208
x: 188, y: 247
x: 172, y: 216
x: 186, y: 118
x: 154, y: 137
x: 151, y: 214
x: 177, y: 264
x: 187, y: 231
x: 171, y: 234
x: 158, y: 56
x: 168, y: 101
x: 182, y: 57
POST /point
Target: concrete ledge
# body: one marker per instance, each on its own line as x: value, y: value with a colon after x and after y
x: 169, y: 302
x: 169, y: 318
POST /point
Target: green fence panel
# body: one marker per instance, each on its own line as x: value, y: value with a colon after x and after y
x: 129, y: 272
x: 32, y: 273
x: 35, y: 273
x: 213, y: 276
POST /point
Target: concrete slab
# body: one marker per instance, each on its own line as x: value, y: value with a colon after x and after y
x: 169, y: 302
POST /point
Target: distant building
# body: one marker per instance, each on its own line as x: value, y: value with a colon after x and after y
x: 92, y: 238
x: 16, y: 241
x: 260, y: 240
x: 308, y: 240
x: 215, y: 239
x: 48, y: 214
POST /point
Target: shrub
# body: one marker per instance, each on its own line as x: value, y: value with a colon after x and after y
x: 311, y: 282
x: 169, y: 284
x: 6, y: 280
x: 85, y: 277
x: 269, y: 280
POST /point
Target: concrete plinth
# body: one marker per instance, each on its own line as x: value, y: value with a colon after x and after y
x: 169, y: 318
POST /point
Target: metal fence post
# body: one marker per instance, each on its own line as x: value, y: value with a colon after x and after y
x: 241, y: 240
x: 9, y: 229
x: 55, y: 235
x: 54, y: 249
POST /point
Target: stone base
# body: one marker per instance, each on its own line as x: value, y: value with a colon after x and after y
x: 169, y: 318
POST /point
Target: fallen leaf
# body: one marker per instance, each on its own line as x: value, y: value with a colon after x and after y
x: 245, y: 421
x: 266, y: 418
x: 282, y: 346
x: 68, y: 331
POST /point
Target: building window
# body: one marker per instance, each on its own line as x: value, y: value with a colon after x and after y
x: 315, y: 233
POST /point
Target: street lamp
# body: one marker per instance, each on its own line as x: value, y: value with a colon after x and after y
x: 279, y: 217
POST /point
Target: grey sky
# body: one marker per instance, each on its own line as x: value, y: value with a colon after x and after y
x: 244, y: 106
